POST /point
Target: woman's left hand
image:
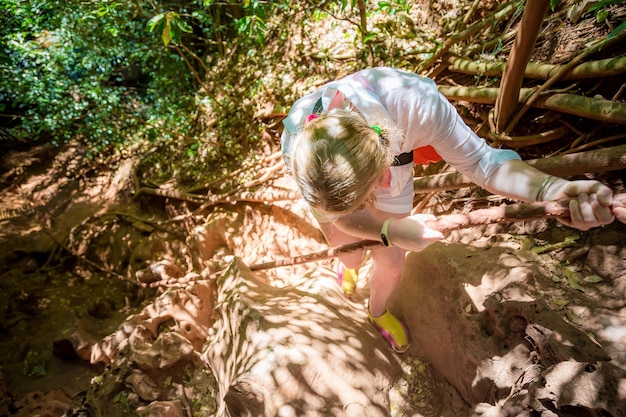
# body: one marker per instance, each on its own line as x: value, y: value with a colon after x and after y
x: 590, y: 205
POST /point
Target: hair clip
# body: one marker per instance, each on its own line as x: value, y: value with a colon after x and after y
x: 310, y: 117
x: 377, y: 130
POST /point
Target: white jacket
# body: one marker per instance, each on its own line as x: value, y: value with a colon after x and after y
x: 421, y: 115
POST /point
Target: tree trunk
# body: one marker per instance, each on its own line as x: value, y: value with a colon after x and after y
x: 511, y: 83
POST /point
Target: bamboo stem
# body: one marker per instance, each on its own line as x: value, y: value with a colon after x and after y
x: 538, y: 71
x: 536, y: 94
x: 589, y: 107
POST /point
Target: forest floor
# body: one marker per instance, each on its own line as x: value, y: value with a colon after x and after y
x: 54, y: 303
x: 60, y: 297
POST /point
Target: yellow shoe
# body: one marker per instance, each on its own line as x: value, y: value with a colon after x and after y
x: 347, y: 278
x: 392, y: 329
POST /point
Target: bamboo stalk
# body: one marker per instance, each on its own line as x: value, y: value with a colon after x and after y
x: 459, y: 37
x: 537, y: 93
x: 589, y: 107
x: 538, y: 71
x: 471, y: 11
x: 536, y: 139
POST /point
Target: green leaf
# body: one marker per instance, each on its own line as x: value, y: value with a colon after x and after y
x: 182, y: 25
x: 175, y: 33
x: 572, y: 316
x: 369, y: 37
x: 559, y: 301
x: 113, y: 31
x: 602, y: 15
x: 155, y: 21
x: 603, y: 3
x: 572, y: 280
x: 167, y: 33
x: 261, y: 24
x: 593, y: 279
x: 553, y: 4
x: 193, y: 149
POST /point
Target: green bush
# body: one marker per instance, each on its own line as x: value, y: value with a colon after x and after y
x: 92, y: 70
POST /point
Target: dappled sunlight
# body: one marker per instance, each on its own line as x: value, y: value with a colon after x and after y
x: 299, y: 342
x: 508, y: 283
x: 564, y: 377
x: 497, y: 372
x: 481, y: 316
x: 286, y: 341
x: 610, y: 330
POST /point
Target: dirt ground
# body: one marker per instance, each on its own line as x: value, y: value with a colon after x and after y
x: 468, y: 301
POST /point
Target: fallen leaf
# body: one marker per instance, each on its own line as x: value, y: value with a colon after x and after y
x: 560, y: 301
x: 572, y: 279
x: 572, y: 316
x: 593, y: 279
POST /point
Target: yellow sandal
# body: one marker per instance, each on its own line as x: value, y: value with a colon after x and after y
x: 347, y: 278
x: 392, y: 329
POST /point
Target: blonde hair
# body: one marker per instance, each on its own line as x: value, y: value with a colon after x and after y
x: 337, y: 161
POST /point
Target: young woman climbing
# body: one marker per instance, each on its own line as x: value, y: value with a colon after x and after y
x: 351, y: 146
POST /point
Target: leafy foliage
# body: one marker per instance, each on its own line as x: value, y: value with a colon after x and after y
x: 94, y: 70
x: 88, y: 69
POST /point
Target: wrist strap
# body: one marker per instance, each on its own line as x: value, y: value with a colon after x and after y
x: 384, y: 233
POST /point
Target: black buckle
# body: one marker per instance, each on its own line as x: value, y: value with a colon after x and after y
x: 403, y: 159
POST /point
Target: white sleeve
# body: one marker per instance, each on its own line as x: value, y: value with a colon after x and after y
x: 470, y: 154
x: 428, y: 118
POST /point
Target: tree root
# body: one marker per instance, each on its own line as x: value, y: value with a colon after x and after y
x: 445, y: 224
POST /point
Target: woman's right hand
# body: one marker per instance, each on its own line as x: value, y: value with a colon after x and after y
x: 590, y: 204
x: 412, y: 233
